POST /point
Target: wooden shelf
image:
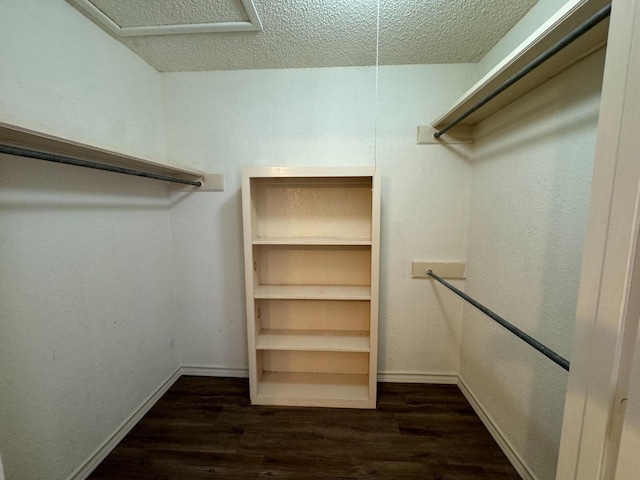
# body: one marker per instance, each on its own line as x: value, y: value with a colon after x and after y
x: 563, y: 22
x: 313, y: 292
x: 311, y: 175
x: 313, y: 389
x: 311, y: 241
x: 313, y: 340
x: 31, y: 139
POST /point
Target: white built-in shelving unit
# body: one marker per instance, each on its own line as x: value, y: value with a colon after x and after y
x: 311, y: 239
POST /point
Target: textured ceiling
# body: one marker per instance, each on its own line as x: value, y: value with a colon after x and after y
x: 318, y: 33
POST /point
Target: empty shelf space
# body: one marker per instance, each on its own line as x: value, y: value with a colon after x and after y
x: 314, y: 340
x: 313, y: 292
x: 311, y: 241
x: 313, y: 389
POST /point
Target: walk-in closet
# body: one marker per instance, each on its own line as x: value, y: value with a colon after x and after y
x: 326, y: 239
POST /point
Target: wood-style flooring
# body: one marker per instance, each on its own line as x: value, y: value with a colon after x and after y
x: 206, y: 428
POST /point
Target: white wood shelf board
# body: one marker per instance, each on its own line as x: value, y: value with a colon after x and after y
x: 310, y: 241
x: 313, y: 292
x: 313, y: 340
x: 280, y: 174
x: 559, y: 25
x: 313, y: 389
x: 30, y: 139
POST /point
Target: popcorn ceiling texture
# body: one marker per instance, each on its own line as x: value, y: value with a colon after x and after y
x: 305, y: 33
x: 171, y: 12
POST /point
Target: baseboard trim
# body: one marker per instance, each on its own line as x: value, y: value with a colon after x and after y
x: 211, y: 371
x: 523, y: 470
x: 110, y: 443
x: 413, y: 377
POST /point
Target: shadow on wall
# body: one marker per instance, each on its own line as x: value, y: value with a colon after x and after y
x: 519, y: 134
x: 540, y: 154
x: 86, y: 304
x: 28, y: 183
x: 209, y: 277
x: 234, y: 318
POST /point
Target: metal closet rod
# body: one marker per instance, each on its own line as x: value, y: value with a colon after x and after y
x: 564, y: 42
x: 563, y: 362
x: 49, y: 157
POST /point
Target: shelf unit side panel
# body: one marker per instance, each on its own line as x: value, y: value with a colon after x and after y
x: 259, y: 370
x: 376, y: 201
x: 254, y: 201
x: 255, y: 369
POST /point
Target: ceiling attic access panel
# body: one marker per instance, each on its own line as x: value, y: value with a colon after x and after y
x: 146, y: 18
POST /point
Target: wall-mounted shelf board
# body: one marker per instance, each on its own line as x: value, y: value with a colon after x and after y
x: 570, y: 16
x: 31, y: 139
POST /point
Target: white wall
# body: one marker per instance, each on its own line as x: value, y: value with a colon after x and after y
x: 61, y: 74
x: 529, y: 201
x: 224, y: 121
x: 87, y: 312
x: 86, y: 303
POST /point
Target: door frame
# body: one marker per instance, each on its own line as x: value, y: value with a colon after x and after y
x: 607, y: 317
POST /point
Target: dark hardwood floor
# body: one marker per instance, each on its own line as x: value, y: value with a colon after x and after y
x: 205, y: 428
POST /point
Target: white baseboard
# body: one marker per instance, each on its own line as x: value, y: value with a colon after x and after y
x: 110, y: 443
x: 210, y: 371
x: 523, y: 470
x: 412, y: 377
x: 393, y: 377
